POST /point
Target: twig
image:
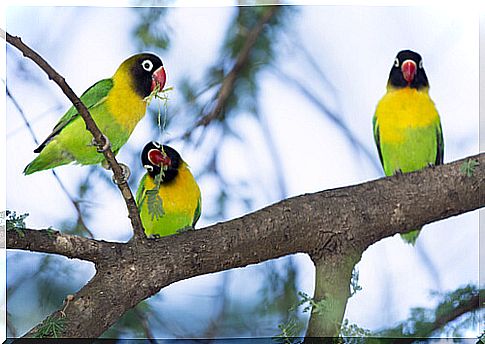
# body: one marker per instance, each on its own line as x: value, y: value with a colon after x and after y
x: 227, y: 86
x: 99, y: 138
x: 331, y: 115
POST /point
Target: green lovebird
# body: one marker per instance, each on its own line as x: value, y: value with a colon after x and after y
x: 407, y: 128
x: 168, y: 196
x: 116, y: 104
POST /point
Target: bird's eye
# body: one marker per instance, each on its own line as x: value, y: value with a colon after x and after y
x: 149, y: 168
x: 396, y: 62
x: 420, y: 64
x: 147, y: 65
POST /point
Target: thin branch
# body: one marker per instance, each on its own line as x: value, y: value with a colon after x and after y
x: 427, y: 328
x: 470, y: 305
x: 50, y: 241
x: 99, y: 138
x: 227, y: 85
x: 331, y: 115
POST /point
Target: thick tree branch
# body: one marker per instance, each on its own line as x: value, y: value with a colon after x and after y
x: 324, y: 224
x: 91, y: 126
x: 71, y: 246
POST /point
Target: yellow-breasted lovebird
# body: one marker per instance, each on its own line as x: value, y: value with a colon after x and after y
x: 168, y: 196
x: 407, y: 127
x: 116, y: 104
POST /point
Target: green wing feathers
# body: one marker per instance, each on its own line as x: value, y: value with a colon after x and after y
x: 91, y: 97
x: 74, y: 135
x: 375, y: 129
x: 197, y: 213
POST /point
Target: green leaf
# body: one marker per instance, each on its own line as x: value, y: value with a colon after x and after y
x: 288, y: 332
x: 154, y: 203
x: 468, y: 167
x: 51, y: 327
x: 16, y: 222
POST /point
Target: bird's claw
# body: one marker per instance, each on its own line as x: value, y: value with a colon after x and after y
x: 185, y: 229
x: 125, y: 175
x: 106, y: 145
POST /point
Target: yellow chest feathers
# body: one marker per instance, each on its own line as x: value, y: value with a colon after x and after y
x: 127, y: 107
x: 179, y: 195
x: 405, y: 108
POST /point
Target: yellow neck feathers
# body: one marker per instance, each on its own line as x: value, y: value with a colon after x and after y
x: 127, y: 107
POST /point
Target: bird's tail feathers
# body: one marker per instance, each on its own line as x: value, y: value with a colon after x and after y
x: 411, y: 237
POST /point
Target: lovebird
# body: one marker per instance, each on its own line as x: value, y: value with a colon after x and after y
x: 168, y: 197
x: 116, y: 104
x: 407, y: 127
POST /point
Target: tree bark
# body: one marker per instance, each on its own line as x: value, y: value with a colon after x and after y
x: 326, y: 225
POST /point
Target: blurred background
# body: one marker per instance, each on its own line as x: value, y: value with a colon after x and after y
x: 298, y: 119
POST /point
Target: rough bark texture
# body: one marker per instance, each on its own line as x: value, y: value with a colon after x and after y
x: 332, y: 286
x: 326, y: 225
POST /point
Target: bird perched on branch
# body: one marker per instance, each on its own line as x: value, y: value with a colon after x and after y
x: 116, y: 104
x: 407, y: 128
x: 168, y: 196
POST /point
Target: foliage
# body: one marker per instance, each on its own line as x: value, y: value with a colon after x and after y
x: 352, y: 333
x: 152, y: 30
x: 317, y: 307
x: 354, y: 282
x: 425, y: 322
x: 15, y: 222
x: 51, y: 327
x: 288, y: 332
x: 468, y: 167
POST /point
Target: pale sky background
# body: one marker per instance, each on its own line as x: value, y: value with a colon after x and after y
x: 355, y: 47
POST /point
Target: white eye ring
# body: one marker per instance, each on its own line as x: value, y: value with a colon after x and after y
x: 149, y: 168
x: 420, y: 64
x: 396, y: 62
x: 156, y: 144
x: 147, y: 65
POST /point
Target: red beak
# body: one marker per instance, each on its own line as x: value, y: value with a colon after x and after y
x: 159, y: 77
x: 157, y: 158
x: 408, y: 69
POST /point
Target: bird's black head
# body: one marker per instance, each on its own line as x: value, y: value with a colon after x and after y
x: 146, y: 72
x: 156, y: 157
x: 408, y: 71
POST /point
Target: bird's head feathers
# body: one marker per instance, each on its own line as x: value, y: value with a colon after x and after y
x: 146, y: 71
x: 408, y: 71
x: 156, y: 158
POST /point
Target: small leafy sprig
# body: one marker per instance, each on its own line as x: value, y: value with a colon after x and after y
x: 318, y: 307
x: 15, y: 222
x: 51, y: 327
x: 468, y: 167
x: 289, y: 332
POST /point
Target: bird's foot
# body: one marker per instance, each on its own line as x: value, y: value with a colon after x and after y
x: 154, y: 236
x: 398, y: 172
x: 185, y: 229
x: 430, y: 164
x: 106, y: 145
x: 125, y: 175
